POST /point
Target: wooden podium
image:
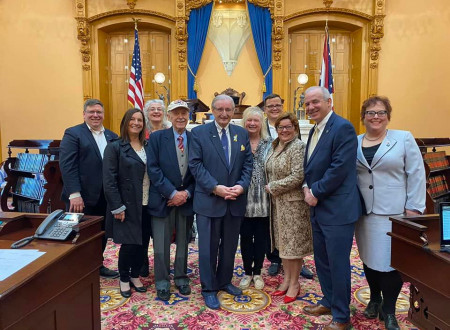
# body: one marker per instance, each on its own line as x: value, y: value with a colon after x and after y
x: 60, y: 289
x: 415, y: 254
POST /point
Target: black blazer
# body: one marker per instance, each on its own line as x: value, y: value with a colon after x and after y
x: 81, y: 164
x: 123, y: 175
x: 165, y: 175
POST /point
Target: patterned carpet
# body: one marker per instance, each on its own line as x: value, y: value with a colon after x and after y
x: 255, y: 309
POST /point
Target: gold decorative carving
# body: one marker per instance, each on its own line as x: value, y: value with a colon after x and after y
x: 130, y: 11
x: 80, y: 7
x: 325, y: 11
x: 131, y: 3
x: 327, y: 3
x: 83, y: 34
x: 376, y: 33
x: 86, y: 51
x: 194, y: 4
x: 87, y: 97
x: 263, y: 3
x: 277, y: 39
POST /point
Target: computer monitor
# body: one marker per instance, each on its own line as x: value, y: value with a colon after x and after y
x: 444, y: 215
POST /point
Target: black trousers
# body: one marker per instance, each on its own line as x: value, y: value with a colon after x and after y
x: 387, y: 283
x: 130, y: 255
x: 254, y: 237
x: 100, y: 210
x: 146, y: 234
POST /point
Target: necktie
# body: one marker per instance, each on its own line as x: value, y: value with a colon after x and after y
x: 180, y: 143
x: 224, y: 140
x: 313, y: 143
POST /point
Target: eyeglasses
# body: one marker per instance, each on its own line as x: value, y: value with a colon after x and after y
x: 273, y: 106
x: 227, y: 110
x: 287, y: 128
x: 380, y: 114
x: 92, y: 112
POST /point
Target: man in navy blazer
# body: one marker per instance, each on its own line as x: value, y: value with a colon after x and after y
x: 221, y: 161
x: 331, y: 191
x: 81, y: 164
x: 170, y: 199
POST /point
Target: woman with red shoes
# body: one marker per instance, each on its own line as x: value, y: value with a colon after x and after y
x: 290, y: 226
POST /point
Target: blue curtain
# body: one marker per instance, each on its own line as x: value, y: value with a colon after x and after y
x: 197, y: 29
x: 262, y: 35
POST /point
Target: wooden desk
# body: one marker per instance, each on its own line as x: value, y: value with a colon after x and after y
x: 59, y: 290
x: 427, y: 269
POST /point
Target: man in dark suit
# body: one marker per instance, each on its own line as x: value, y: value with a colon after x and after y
x: 221, y: 161
x: 273, y: 108
x: 81, y: 163
x: 170, y: 199
x: 330, y: 189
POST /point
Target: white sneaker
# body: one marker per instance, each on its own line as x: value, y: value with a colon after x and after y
x: 245, y: 282
x: 259, y: 282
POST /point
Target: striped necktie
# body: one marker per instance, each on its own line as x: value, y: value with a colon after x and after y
x: 180, y: 143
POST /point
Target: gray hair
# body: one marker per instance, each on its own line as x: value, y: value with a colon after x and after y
x: 255, y: 111
x: 92, y: 102
x: 148, y: 123
x: 325, y: 93
x: 222, y: 97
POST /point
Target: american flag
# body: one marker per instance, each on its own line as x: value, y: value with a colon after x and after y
x: 135, y: 86
x: 326, y: 74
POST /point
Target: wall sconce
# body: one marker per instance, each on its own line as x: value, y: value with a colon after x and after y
x: 160, y: 78
x: 302, y: 79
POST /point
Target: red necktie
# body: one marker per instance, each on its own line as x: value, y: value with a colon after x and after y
x: 180, y: 143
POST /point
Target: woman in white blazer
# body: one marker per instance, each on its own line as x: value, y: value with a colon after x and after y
x: 391, y: 178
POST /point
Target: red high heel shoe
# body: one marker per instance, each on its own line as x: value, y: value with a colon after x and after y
x: 278, y: 293
x: 288, y: 300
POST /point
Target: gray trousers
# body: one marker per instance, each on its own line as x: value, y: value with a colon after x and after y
x: 163, y: 229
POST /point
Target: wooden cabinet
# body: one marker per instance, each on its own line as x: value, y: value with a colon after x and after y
x: 33, y: 179
x: 437, y: 168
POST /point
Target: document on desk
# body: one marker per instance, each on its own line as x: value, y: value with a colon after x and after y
x: 13, y: 260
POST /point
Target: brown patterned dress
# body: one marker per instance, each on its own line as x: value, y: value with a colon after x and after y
x: 290, y: 225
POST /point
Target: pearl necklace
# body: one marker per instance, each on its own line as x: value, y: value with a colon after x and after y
x: 371, y: 140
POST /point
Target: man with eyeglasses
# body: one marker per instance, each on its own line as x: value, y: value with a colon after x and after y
x: 221, y: 162
x: 331, y: 191
x: 273, y: 108
x: 81, y: 163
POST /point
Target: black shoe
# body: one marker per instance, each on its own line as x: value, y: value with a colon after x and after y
x: 126, y: 293
x: 108, y: 273
x: 144, y: 272
x: 306, y: 273
x: 231, y: 289
x: 138, y: 288
x: 274, y: 268
x: 184, y: 289
x: 371, y: 311
x: 163, y: 294
x: 390, y: 322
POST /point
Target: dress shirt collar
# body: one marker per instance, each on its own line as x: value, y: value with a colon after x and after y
x: 324, y: 121
x: 219, y: 128
x: 94, y: 131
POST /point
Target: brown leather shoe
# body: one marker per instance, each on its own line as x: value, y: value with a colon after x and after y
x: 338, y: 326
x: 317, y: 310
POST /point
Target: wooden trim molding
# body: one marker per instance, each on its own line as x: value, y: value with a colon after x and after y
x: 130, y: 12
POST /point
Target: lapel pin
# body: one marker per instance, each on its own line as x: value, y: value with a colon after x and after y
x: 235, y: 138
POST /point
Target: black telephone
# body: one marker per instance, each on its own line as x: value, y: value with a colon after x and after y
x: 57, y: 226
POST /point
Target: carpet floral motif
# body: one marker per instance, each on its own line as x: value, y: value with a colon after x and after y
x: 255, y: 309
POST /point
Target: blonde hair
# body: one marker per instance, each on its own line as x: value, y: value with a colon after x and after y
x: 256, y: 111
